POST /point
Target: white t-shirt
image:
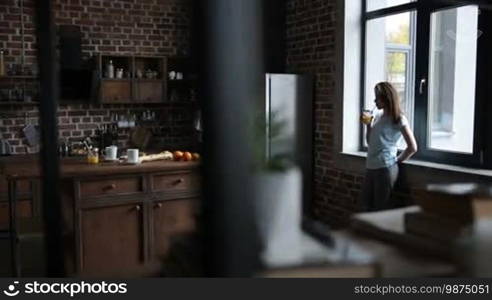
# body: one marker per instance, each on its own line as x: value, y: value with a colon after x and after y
x: 383, y: 141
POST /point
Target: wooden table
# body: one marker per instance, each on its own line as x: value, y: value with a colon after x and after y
x: 118, y: 218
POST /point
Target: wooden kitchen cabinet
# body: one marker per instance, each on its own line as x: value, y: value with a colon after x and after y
x: 24, y: 210
x: 148, y: 91
x: 127, y: 223
x: 142, y: 79
x: 116, y: 91
x: 26, y: 207
x: 171, y: 219
x: 118, y: 220
x: 112, y: 242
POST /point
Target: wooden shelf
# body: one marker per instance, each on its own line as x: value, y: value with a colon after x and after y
x: 18, y: 103
x: 148, y: 79
x: 116, y: 79
x: 186, y: 83
x: 133, y: 90
x: 20, y: 77
x: 181, y: 102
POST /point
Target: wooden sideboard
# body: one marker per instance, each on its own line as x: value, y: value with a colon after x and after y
x: 26, y: 202
x: 120, y: 220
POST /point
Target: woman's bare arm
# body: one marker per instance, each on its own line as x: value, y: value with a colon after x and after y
x: 411, y: 144
x: 368, y: 132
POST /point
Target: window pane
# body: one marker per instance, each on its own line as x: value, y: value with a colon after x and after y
x: 396, y: 72
x: 453, y: 57
x: 389, y: 55
x: 379, y: 4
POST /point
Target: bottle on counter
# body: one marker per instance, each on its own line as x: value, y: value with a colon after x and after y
x: 110, y: 70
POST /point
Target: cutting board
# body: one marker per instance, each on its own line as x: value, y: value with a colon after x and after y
x: 140, y: 137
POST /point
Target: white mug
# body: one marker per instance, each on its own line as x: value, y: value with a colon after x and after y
x: 110, y: 153
x: 132, y: 156
x: 179, y: 75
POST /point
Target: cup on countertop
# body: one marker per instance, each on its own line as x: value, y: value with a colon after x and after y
x: 132, y: 156
x: 111, y: 153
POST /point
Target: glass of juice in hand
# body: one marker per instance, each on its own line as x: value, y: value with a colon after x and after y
x: 366, y: 117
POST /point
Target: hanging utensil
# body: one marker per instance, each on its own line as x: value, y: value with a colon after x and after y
x: 30, y: 132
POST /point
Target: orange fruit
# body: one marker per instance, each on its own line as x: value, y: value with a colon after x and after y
x: 178, y: 155
x: 196, y: 156
x: 187, y: 156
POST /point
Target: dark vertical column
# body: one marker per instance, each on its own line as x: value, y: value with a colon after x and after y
x: 48, y: 72
x: 232, y: 74
x: 274, y: 37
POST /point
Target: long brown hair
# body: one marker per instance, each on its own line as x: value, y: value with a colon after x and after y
x: 389, y: 96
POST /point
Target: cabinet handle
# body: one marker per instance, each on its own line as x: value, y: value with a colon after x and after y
x: 178, y: 181
x: 158, y: 205
x: 109, y: 187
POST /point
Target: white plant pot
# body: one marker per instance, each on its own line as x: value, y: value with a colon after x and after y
x: 278, y: 211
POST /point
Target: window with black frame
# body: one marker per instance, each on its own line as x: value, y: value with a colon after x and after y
x: 431, y: 51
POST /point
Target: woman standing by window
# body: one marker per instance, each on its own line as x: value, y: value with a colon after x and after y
x: 383, y: 133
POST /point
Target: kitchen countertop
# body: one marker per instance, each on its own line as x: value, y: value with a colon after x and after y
x: 27, y: 166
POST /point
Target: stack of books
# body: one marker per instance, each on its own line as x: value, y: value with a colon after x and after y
x: 448, y: 211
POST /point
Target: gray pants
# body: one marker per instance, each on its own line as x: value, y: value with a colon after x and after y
x: 377, y: 187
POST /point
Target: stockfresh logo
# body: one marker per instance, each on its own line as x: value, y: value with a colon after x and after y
x: 66, y: 288
x: 11, y: 290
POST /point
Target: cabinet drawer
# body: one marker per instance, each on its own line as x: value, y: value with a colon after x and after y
x: 176, y: 182
x: 106, y: 187
x: 116, y: 91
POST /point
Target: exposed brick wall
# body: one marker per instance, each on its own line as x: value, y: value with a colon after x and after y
x: 311, y: 43
x: 127, y: 27
x: 123, y: 27
x: 172, y: 128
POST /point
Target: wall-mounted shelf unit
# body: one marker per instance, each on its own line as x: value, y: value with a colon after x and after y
x: 181, y: 79
x: 18, y: 89
x: 18, y: 103
x: 135, y: 79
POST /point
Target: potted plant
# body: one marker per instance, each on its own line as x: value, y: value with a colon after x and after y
x: 278, y: 192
